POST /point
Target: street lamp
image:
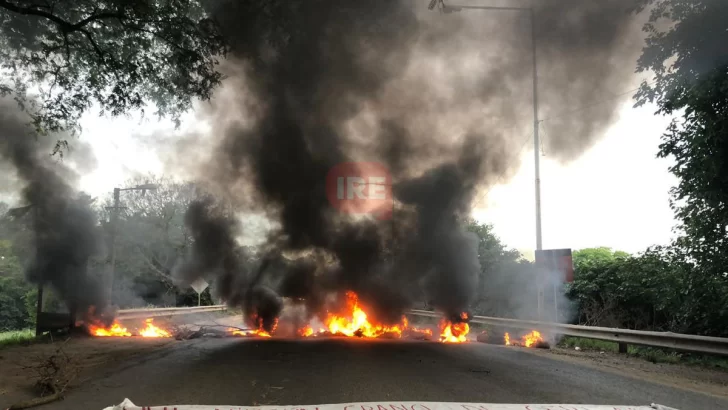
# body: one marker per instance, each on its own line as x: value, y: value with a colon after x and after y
x: 114, y: 224
x: 536, y: 141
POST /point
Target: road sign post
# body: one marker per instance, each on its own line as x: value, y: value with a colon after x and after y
x: 199, y: 286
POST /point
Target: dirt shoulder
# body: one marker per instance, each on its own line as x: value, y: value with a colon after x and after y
x: 683, y: 376
x: 90, y: 355
x: 93, y: 356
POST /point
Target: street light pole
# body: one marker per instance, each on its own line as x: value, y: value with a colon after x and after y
x: 536, y: 137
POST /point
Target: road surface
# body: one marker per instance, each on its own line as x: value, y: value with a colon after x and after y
x: 279, y: 372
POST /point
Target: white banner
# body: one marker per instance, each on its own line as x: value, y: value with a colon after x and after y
x: 405, y: 405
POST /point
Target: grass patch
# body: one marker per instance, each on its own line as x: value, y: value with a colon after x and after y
x: 588, y: 344
x: 16, y: 337
x: 651, y: 354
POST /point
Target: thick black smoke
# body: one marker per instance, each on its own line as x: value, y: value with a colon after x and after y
x: 64, y: 226
x: 436, y: 98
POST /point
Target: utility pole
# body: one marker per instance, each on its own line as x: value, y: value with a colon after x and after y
x: 536, y: 139
x: 537, y: 170
x: 112, y: 243
x: 113, y: 231
x: 41, y: 280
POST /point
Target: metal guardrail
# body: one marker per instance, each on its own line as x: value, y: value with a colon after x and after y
x: 157, y: 312
x: 679, y: 341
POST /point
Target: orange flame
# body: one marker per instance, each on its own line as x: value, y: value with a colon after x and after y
x: 116, y: 329
x: 150, y: 330
x: 352, y: 320
x: 253, y: 332
x: 305, y: 331
x: 355, y: 322
x: 454, y: 332
x: 531, y: 339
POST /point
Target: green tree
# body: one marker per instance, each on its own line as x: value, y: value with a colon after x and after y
x: 686, y: 51
x: 505, y: 277
x: 58, y: 57
x: 641, y: 292
x: 656, y: 290
x: 150, y: 239
x: 596, y: 255
x: 13, y: 291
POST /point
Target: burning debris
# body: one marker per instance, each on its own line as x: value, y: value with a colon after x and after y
x: 116, y: 329
x: 531, y: 339
x: 455, y: 331
x: 352, y: 320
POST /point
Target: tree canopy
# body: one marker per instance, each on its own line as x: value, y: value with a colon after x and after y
x: 589, y: 256
x: 686, y: 49
x: 60, y: 57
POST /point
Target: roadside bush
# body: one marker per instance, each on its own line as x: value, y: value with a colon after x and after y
x: 657, y: 290
x: 13, y: 314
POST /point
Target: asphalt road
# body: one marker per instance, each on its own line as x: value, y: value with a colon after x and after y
x: 278, y: 372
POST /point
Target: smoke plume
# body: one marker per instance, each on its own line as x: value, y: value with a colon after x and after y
x: 442, y: 100
x: 64, y: 226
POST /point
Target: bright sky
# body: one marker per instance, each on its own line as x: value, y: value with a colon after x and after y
x: 615, y: 194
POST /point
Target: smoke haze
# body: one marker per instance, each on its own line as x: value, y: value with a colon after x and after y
x: 443, y: 100
x: 64, y: 225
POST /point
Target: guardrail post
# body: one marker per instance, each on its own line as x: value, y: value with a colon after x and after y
x: 622, y: 347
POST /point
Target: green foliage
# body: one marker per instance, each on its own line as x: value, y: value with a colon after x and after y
x: 491, y: 251
x: 13, y: 314
x: 700, y: 150
x: 9, y: 264
x: 588, y: 344
x: 16, y: 337
x: 150, y: 239
x: 686, y: 51
x: 31, y: 304
x: 188, y: 297
x: 684, y: 287
x: 13, y: 290
x: 657, y: 290
x: 504, y: 276
x: 685, y: 42
x: 596, y: 255
x: 118, y: 54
